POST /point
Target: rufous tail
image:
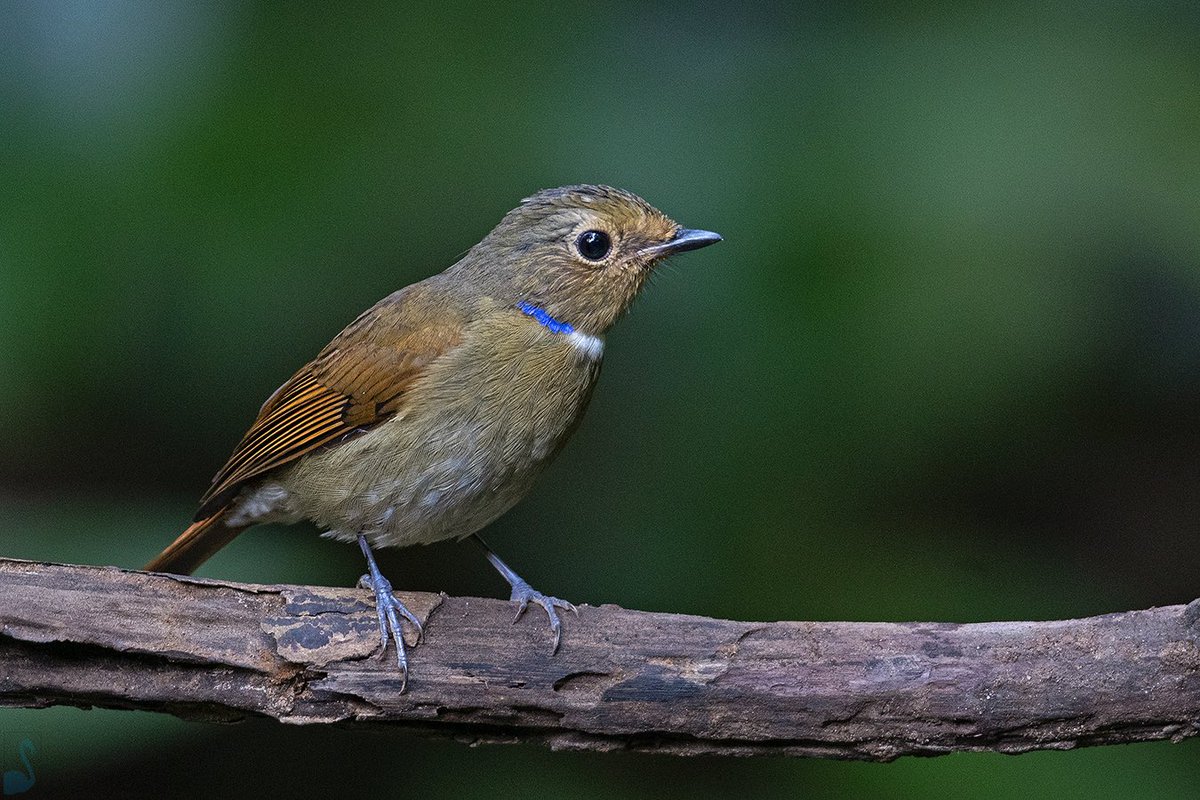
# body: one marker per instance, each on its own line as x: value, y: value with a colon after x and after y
x: 195, y: 545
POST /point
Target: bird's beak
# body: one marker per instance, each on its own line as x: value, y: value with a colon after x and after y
x: 686, y: 239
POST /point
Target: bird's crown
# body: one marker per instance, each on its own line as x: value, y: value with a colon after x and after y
x: 580, y: 253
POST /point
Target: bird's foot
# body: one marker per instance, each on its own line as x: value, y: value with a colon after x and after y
x: 389, y: 610
x: 525, y: 594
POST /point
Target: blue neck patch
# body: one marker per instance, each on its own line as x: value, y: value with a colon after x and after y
x: 544, y: 319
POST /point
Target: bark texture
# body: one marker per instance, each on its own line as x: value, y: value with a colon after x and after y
x: 204, y: 649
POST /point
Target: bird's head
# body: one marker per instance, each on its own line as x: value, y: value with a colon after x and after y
x: 581, y: 253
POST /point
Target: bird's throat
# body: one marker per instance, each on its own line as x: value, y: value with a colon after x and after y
x: 590, y: 347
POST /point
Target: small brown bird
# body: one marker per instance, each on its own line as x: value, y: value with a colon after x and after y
x: 431, y: 414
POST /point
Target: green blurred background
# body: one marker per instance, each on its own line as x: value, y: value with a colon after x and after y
x: 946, y: 364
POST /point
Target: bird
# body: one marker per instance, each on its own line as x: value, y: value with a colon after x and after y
x: 432, y: 413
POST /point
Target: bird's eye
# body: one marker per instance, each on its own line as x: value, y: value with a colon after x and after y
x: 593, y: 245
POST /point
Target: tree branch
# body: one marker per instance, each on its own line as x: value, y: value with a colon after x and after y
x: 623, y: 679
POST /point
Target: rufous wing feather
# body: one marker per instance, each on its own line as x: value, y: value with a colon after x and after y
x: 357, y: 381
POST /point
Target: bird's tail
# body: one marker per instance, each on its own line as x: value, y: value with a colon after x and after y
x: 195, y: 545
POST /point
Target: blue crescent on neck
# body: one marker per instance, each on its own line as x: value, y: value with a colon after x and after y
x: 590, y: 348
x: 544, y: 319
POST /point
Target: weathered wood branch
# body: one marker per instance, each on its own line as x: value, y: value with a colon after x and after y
x: 102, y: 636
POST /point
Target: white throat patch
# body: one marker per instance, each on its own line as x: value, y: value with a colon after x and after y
x: 590, y: 347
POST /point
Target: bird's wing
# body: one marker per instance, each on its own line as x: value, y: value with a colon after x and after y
x: 358, y: 380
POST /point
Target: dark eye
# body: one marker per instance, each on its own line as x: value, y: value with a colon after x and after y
x: 593, y: 245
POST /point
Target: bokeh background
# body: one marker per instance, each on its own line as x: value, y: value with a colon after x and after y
x: 946, y: 364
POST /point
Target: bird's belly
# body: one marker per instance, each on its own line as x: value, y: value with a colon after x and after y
x: 460, y: 455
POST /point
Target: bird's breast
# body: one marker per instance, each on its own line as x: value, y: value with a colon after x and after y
x: 466, y: 443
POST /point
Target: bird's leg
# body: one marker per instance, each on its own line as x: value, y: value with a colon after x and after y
x: 386, y: 606
x: 525, y: 594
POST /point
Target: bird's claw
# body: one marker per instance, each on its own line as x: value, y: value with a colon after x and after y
x: 524, y: 594
x: 387, y: 606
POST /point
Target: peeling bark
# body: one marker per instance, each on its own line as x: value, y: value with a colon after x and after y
x: 669, y: 683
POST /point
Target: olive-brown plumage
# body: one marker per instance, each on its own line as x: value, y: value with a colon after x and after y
x: 432, y: 413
